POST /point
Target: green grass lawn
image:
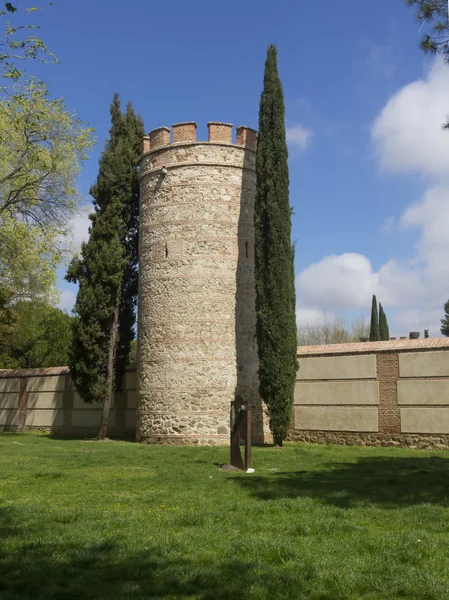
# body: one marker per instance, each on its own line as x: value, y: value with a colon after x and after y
x: 100, y: 520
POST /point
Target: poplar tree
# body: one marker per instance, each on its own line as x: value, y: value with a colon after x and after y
x: 374, y: 331
x: 383, y: 324
x: 106, y: 272
x: 274, y: 254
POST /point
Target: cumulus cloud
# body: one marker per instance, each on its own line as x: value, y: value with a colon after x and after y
x: 80, y: 226
x: 407, y: 137
x: 407, y: 134
x: 299, y: 136
x: 66, y: 300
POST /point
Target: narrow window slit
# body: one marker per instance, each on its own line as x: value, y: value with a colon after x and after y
x: 246, y: 249
x: 166, y: 250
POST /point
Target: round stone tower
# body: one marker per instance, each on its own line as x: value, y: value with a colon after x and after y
x: 197, y: 346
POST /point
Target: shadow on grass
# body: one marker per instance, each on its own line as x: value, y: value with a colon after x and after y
x: 388, y: 481
x: 107, y: 570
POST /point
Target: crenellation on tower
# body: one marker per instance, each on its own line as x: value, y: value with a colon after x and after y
x: 246, y: 137
x: 159, y: 137
x: 184, y: 132
x: 220, y: 132
x: 145, y: 144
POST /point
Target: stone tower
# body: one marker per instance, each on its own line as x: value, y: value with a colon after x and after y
x: 196, y: 294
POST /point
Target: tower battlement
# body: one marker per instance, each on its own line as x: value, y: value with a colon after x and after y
x: 185, y: 133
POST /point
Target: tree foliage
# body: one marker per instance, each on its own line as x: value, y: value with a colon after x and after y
x: 19, y: 41
x: 383, y: 324
x: 445, y: 322
x: 332, y: 331
x: 426, y: 333
x: 274, y: 254
x: 41, y: 337
x: 374, y: 331
x: 42, y: 146
x: 433, y: 14
x: 106, y: 271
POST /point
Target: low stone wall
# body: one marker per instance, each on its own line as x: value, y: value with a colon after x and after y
x: 45, y: 399
x: 392, y: 393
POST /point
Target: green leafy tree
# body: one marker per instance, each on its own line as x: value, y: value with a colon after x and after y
x: 274, y: 254
x: 426, y: 333
x: 445, y: 322
x: 383, y: 324
x: 374, y: 331
x: 106, y: 272
x: 8, y: 317
x: 19, y: 41
x: 41, y: 337
x: 42, y: 147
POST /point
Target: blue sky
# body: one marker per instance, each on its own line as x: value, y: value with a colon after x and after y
x: 363, y: 114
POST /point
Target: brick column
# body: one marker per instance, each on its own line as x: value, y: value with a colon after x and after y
x: 387, y: 376
x: 67, y: 402
x: 23, y: 403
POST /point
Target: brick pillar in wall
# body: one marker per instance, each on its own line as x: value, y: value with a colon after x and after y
x: 67, y: 401
x: 23, y: 403
x: 387, y: 376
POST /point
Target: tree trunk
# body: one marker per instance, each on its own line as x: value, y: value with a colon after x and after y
x: 110, y: 376
x: 277, y: 441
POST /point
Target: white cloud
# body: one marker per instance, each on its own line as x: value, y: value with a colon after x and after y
x: 407, y: 137
x: 299, y: 136
x: 407, y: 134
x: 66, y: 300
x: 80, y: 226
x: 337, y: 282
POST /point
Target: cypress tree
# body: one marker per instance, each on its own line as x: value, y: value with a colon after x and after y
x: 374, y: 331
x: 274, y: 254
x: 445, y: 322
x: 383, y: 324
x: 426, y: 333
x: 106, y: 272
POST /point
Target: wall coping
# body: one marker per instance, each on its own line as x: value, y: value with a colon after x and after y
x: 364, y: 347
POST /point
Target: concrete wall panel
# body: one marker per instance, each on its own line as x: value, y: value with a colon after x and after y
x: 425, y: 420
x: 9, y: 400
x: 426, y: 392
x: 9, y: 417
x: 55, y: 383
x: 326, y: 418
x: 51, y: 400
x: 338, y: 367
x: 10, y: 385
x: 337, y: 392
x: 44, y: 418
x: 424, y: 364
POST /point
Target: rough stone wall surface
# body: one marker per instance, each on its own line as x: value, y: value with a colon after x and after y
x: 196, y: 296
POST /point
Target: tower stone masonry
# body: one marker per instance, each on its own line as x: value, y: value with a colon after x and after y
x: 197, y: 320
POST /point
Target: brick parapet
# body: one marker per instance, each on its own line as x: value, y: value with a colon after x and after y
x: 185, y: 133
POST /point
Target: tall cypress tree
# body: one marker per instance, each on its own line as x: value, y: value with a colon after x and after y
x: 106, y: 272
x: 445, y: 322
x: 383, y: 324
x: 374, y: 331
x: 274, y: 254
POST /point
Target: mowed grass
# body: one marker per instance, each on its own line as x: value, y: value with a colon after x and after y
x: 100, y: 520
